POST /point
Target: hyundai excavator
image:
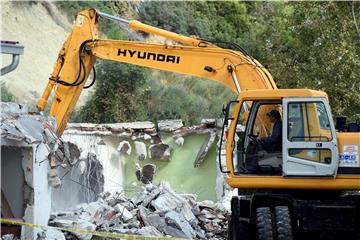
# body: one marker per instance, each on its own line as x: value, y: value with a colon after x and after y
x: 307, y: 189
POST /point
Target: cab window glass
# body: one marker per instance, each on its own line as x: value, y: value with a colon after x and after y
x: 240, y: 135
x: 316, y: 155
x: 259, y: 150
x: 262, y: 126
x: 308, y: 122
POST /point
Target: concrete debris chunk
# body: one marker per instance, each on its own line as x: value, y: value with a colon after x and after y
x: 31, y: 127
x: 124, y: 213
x: 169, y: 125
x: 154, y: 193
x: 168, y: 201
x: 7, y: 237
x: 86, y: 226
x: 8, y: 131
x: 156, y: 211
x: 160, y: 152
x: 146, y: 173
x: 53, y: 178
x: 155, y: 220
x: 147, y: 137
x: 205, y: 148
x: 51, y: 234
x: 13, y: 108
x: 179, y: 141
x: 178, y: 221
x: 139, y: 197
x: 149, y: 231
x: 72, y: 152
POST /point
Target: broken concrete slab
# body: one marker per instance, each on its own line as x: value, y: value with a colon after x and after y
x: 9, y: 131
x: 72, y: 152
x: 31, y: 127
x: 13, y: 108
x: 158, y: 222
x: 139, y: 197
x: 174, y: 232
x: 153, y: 194
x: 162, y: 213
x: 86, y: 226
x: 169, y: 125
x: 149, y: 231
x: 205, y: 148
x: 167, y: 201
x: 124, y: 214
x: 179, y: 140
x: 147, y: 137
x: 53, y: 178
x: 160, y: 151
x: 178, y: 221
x: 7, y: 237
x: 52, y: 234
x: 118, y: 129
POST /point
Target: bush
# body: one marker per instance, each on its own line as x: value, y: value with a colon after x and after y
x: 6, y: 95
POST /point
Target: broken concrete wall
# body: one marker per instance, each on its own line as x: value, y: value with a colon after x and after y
x: 84, y: 180
x: 100, y: 156
x: 25, y: 183
x: 179, y: 147
x: 26, y: 163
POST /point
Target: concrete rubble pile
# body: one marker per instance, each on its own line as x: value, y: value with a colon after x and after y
x: 18, y: 127
x: 154, y: 211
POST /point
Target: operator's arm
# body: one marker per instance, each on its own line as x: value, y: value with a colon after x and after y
x: 276, y: 135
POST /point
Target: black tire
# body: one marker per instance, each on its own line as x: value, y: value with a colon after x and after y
x: 283, y: 223
x: 264, y: 224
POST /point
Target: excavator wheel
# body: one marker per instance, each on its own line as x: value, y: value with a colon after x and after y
x: 283, y: 223
x: 264, y: 224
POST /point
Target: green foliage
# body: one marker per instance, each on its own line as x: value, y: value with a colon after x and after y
x: 6, y: 95
x: 174, y: 96
x: 116, y: 96
x: 110, y: 28
x: 303, y: 44
x: 311, y: 49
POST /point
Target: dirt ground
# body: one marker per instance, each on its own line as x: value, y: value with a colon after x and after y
x: 42, y: 35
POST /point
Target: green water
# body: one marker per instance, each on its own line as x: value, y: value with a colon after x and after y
x: 180, y: 171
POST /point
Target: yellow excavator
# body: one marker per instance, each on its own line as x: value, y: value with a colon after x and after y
x: 302, y: 183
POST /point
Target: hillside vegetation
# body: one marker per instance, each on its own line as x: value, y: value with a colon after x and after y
x: 303, y: 44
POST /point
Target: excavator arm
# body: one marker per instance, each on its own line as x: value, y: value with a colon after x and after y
x: 234, y: 69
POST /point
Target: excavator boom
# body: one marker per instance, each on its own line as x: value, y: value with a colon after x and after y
x: 234, y: 69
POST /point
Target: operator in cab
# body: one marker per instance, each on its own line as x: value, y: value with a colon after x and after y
x: 273, y: 143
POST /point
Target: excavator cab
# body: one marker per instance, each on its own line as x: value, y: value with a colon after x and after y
x: 306, y: 147
x: 299, y: 184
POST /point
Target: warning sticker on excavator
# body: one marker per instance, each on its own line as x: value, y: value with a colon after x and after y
x: 350, y: 156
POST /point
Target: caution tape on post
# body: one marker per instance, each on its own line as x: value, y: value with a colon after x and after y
x: 85, y: 231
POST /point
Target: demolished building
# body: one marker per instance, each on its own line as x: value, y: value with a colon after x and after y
x: 42, y: 174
